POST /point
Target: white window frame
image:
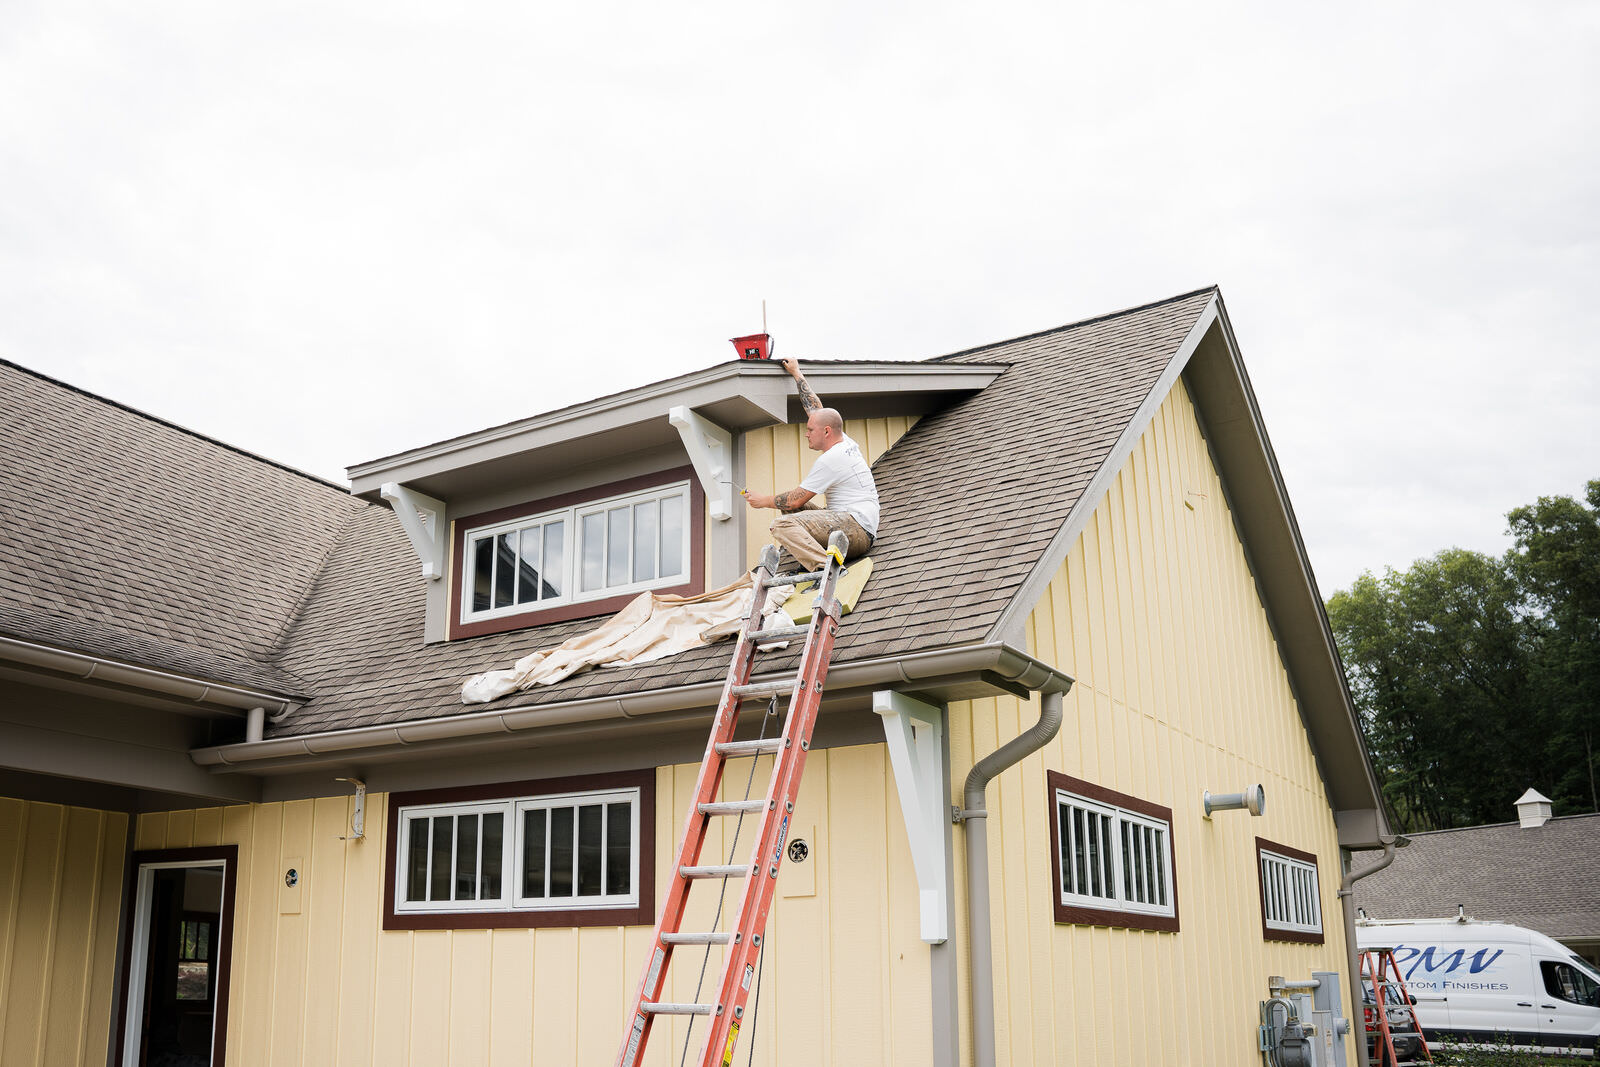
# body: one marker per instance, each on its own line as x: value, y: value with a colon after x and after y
x: 577, y: 903
x: 511, y: 844
x: 1120, y: 817
x: 1290, y: 891
x: 572, y: 552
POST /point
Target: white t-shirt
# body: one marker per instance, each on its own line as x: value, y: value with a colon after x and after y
x: 843, y: 474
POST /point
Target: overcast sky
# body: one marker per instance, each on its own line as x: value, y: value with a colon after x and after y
x: 330, y: 231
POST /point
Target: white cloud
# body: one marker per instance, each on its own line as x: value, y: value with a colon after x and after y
x: 329, y: 232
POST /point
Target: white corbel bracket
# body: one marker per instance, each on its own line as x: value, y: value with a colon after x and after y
x: 915, y: 733
x: 710, y: 449
x: 422, y: 518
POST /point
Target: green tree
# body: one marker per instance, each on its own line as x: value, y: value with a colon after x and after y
x: 1557, y: 558
x: 1439, y: 664
x: 1477, y: 677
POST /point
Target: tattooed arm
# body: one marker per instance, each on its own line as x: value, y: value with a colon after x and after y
x: 808, y: 398
x: 788, y: 501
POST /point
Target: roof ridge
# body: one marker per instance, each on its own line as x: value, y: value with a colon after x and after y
x: 1074, y: 325
x: 108, y: 402
x: 1498, y: 825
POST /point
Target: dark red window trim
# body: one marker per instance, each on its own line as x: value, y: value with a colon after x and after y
x: 588, y: 608
x: 225, y: 856
x: 1075, y: 914
x: 644, y: 914
x: 1268, y: 933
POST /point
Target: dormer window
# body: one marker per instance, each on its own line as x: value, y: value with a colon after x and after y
x: 577, y: 555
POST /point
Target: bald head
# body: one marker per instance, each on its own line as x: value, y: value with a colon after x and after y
x: 824, y: 429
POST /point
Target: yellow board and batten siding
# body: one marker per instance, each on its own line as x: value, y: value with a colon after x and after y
x: 60, y: 892
x: 845, y: 980
x: 1179, y: 689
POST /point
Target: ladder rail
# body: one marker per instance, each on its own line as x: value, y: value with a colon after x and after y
x: 696, y: 822
x: 767, y: 854
x: 804, y: 689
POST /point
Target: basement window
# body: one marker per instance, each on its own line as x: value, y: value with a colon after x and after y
x: 1111, y: 857
x: 1291, y: 900
x: 547, y: 856
x: 578, y: 555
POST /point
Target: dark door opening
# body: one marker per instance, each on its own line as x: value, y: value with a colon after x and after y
x: 180, y: 983
x: 174, y: 1010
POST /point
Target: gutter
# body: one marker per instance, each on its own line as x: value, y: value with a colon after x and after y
x: 1006, y: 668
x: 1347, y: 905
x: 184, y: 687
x: 974, y: 817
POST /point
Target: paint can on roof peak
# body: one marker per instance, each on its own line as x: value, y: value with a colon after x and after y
x: 755, y: 346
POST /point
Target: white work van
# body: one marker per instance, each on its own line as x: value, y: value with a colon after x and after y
x: 1489, y: 982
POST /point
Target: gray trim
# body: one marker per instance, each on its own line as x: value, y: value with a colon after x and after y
x: 943, y: 962
x: 39, y: 749
x: 1013, y: 620
x: 959, y: 673
x: 204, y: 695
x: 737, y: 395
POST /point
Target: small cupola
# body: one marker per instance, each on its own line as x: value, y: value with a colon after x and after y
x: 1533, y: 808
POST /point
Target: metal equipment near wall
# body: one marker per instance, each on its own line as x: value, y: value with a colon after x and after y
x: 1302, y: 1022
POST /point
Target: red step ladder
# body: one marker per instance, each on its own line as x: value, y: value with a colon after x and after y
x: 1379, y: 968
x: 760, y: 871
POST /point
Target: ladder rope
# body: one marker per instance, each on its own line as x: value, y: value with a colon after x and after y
x: 755, y: 1008
x: 722, y: 896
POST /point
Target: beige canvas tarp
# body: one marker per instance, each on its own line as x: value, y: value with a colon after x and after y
x: 654, y: 626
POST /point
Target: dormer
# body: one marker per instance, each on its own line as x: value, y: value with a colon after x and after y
x: 572, y: 513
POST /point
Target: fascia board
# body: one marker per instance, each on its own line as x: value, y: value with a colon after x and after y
x: 991, y: 668
x: 758, y: 391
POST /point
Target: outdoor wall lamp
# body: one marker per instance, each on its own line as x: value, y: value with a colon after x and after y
x: 1253, y: 800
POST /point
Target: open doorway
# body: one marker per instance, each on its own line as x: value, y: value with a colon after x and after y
x: 174, y: 1011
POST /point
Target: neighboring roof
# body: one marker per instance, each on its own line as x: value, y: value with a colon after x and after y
x: 972, y: 496
x: 1546, y: 878
x: 132, y: 539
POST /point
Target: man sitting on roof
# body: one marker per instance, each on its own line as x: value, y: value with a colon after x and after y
x: 841, y: 472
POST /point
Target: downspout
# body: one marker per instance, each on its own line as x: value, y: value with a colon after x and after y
x: 1347, y: 905
x: 974, y: 818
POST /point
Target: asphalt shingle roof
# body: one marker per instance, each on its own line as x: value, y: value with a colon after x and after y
x: 128, y: 537
x: 971, y: 497
x: 1546, y: 878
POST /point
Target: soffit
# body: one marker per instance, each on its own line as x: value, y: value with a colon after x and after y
x: 738, y: 396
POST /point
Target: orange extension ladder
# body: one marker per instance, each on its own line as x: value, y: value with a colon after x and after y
x: 760, y: 869
x: 1377, y: 965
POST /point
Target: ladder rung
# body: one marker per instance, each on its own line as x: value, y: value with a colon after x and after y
x: 750, y: 748
x: 716, y: 870
x: 765, y: 689
x: 697, y: 939
x: 663, y: 1008
x: 780, y: 633
x: 731, y: 807
x: 794, y: 579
